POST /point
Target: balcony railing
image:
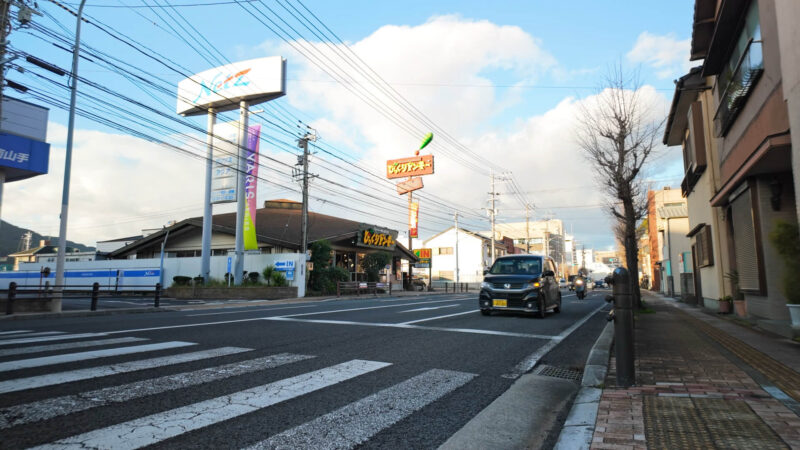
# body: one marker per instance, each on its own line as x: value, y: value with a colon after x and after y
x: 748, y: 70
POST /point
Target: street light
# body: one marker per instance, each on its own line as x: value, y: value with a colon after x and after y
x: 62, y: 231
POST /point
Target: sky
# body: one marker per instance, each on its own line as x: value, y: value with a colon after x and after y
x: 504, y: 81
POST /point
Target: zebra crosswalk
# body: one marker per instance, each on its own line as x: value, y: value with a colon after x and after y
x: 344, y: 427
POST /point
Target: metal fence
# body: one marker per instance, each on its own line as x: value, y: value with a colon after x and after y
x: 15, y: 295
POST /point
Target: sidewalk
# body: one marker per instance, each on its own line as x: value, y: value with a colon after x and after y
x: 702, y: 382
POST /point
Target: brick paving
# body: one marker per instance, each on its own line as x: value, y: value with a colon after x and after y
x: 690, y: 395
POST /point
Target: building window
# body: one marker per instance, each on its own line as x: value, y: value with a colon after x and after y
x: 744, y: 242
x: 445, y: 251
x: 703, y: 247
x: 740, y: 73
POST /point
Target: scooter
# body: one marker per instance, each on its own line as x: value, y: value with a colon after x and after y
x: 580, y: 288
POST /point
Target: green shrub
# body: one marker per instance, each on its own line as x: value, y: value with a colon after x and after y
x: 180, y: 280
x: 252, y: 277
x: 278, y: 279
x: 267, y: 273
x: 785, y: 237
x: 374, y: 262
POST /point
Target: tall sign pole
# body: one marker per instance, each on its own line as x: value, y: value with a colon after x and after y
x: 241, y: 169
x: 226, y: 88
x: 205, y: 251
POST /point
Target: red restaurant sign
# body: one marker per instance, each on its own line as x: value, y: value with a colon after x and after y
x: 409, y: 167
x: 413, y: 220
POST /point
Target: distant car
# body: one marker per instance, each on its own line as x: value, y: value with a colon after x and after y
x: 418, y: 284
x: 571, y: 282
x: 599, y: 284
x: 562, y: 283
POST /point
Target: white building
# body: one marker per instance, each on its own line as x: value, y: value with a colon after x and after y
x: 676, y: 265
x: 474, y: 255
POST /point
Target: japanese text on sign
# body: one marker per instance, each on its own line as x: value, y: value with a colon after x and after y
x: 407, y: 167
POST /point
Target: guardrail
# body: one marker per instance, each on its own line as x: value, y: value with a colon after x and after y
x: 452, y: 286
x: 362, y: 286
x: 16, y: 293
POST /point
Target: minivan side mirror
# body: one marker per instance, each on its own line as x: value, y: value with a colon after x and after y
x: 485, y: 271
x: 549, y: 273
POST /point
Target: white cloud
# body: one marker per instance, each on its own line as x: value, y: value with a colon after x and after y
x: 667, y: 55
x: 122, y: 184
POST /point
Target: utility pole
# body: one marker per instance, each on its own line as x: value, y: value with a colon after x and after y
x: 527, y: 229
x: 303, y: 143
x: 205, y: 245
x: 456, y: 217
x: 492, y: 214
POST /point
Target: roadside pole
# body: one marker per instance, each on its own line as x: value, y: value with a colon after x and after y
x: 238, y: 268
x: 205, y: 252
x: 456, y: 216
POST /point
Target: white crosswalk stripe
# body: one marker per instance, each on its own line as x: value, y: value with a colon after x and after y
x: 59, y: 337
x: 30, y: 334
x: 359, y: 421
x: 3, y: 333
x: 68, y: 345
x: 345, y: 427
x: 68, y: 404
x: 113, y: 369
x: 158, y: 427
x: 94, y: 354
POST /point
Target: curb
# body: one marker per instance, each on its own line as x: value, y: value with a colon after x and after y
x: 579, y: 426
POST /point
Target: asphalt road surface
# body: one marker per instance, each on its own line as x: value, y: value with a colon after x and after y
x: 376, y: 373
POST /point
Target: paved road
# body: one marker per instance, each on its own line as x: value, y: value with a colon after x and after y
x: 382, y: 373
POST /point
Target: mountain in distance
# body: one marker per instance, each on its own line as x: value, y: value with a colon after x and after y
x: 11, y: 235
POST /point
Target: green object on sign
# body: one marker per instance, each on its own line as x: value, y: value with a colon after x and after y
x: 427, y: 140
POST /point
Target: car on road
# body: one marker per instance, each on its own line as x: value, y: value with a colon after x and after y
x: 562, y: 283
x: 599, y: 284
x: 523, y: 283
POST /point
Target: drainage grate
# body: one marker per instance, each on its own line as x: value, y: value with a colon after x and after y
x: 559, y: 372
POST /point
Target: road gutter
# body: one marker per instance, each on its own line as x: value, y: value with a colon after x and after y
x: 579, y: 427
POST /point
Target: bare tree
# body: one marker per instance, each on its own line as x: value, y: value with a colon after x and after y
x: 619, y: 134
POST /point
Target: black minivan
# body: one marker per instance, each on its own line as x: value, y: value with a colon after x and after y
x: 525, y: 283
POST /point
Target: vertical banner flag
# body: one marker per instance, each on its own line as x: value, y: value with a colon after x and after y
x: 250, y: 189
x: 413, y: 220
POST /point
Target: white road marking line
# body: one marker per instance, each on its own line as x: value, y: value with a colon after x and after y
x: 61, y: 337
x: 430, y: 308
x: 51, y: 379
x: 249, y: 310
x: 94, y: 354
x: 154, y: 428
x: 69, y: 404
x: 365, y: 308
x: 359, y: 421
x: 456, y: 298
x: 31, y: 334
x: 68, y: 345
x: 531, y: 360
x: 415, y: 327
x: 473, y: 311
x: 15, y: 332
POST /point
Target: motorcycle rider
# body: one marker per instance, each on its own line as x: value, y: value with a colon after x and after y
x: 580, y: 284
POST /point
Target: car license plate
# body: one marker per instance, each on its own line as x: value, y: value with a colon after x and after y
x: 500, y: 303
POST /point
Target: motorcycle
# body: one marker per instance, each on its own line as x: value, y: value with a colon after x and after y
x: 580, y: 288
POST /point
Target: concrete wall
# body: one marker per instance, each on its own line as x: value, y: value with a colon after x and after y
x: 788, y: 16
x: 675, y: 243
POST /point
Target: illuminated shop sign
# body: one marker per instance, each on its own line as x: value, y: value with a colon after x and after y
x: 409, y: 167
x: 374, y: 237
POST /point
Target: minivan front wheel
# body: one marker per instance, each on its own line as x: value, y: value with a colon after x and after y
x: 542, y: 307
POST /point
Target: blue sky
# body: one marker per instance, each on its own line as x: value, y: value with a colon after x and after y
x: 554, y: 53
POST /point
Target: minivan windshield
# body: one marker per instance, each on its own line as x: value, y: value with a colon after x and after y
x: 517, y: 266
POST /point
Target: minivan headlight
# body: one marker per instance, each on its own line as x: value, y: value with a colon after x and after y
x: 532, y: 285
x: 486, y: 285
